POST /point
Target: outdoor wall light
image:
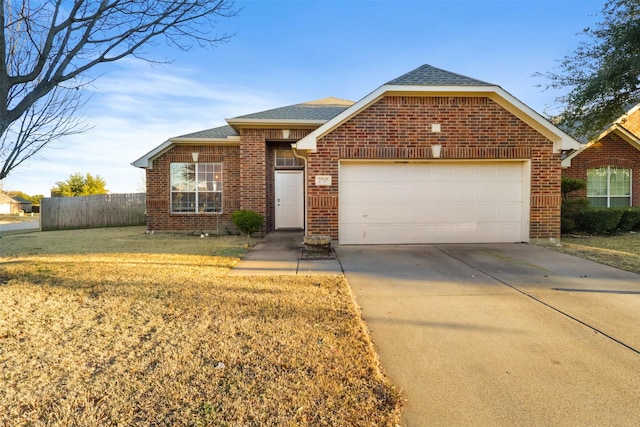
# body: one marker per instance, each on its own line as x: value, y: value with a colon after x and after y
x: 195, y: 156
x: 436, y: 151
x: 286, y: 133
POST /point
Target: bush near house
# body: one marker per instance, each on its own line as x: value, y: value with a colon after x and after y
x: 630, y: 220
x: 598, y: 220
x: 570, y: 210
x: 248, y: 222
x: 578, y: 217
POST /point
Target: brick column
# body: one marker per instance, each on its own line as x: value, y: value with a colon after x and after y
x: 252, y: 171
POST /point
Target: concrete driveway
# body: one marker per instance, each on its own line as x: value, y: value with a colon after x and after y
x: 508, y: 334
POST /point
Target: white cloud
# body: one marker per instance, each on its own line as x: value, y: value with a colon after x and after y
x: 132, y: 109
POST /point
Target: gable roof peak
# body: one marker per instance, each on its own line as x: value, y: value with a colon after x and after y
x: 428, y: 75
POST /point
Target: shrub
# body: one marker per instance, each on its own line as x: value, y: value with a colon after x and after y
x: 569, y: 185
x: 599, y: 220
x: 570, y: 210
x: 630, y: 220
x: 247, y: 221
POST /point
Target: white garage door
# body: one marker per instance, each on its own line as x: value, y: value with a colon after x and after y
x: 388, y: 203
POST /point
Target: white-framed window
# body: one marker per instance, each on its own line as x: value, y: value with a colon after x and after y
x: 286, y: 159
x: 609, y: 187
x: 196, y: 187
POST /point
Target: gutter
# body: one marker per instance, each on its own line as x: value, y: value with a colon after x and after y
x: 297, y: 155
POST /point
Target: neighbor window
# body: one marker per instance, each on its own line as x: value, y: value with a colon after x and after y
x: 285, y: 158
x: 196, y: 187
x: 609, y: 186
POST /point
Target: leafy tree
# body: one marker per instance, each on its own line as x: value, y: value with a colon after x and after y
x: 48, y: 48
x: 603, y: 73
x: 79, y: 185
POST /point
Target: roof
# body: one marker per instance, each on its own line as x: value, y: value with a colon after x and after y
x: 318, y: 110
x: 5, y: 198
x: 328, y: 113
x: 219, y: 132
x: 428, y: 80
x: 22, y: 201
x: 616, y: 128
x: 427, y: 75
x: 312, y: 113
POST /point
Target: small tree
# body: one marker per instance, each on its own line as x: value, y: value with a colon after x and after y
x: 571, y: 208
x: 79, y: 185
x: 247, y: 222
x: 570, y: 185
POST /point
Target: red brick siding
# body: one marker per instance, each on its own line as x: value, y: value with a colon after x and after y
x: 609, y: 151
x: 257, y: 168
x: 159, y: 216
x: 399, y: 127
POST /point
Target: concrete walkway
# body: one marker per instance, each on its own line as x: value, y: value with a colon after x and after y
x: 279, y: 253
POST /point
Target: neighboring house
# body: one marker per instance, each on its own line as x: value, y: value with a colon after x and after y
x: 429, y: 157
x: 610, y: 165
x: 25, y: 205
x: 8, y: 205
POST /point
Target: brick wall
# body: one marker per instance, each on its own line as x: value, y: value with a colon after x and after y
x: 609, y: 151
x: 159, y: 216
x: 257, y: 168
x: 399, y: 127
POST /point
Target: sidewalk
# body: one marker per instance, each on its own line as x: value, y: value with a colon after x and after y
x: 278, y: 253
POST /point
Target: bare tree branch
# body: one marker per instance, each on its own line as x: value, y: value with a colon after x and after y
x: 46, y: 45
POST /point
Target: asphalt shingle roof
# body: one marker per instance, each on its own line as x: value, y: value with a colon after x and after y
x: 327, y: 108
x: 321, y: 109
x: 427, y: 75
x: 219, y: 132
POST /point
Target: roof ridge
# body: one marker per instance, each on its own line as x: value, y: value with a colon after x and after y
x: 428, y: 75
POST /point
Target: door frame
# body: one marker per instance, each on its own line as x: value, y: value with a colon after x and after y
x: 301, y: 204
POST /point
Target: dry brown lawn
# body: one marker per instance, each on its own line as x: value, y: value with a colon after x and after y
x: 620, y: 251
x: 115, y: 327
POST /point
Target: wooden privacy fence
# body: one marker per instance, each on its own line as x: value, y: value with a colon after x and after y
x: 105, y: 210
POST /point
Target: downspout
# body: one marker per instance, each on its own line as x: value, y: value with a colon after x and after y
x: 304, y: 160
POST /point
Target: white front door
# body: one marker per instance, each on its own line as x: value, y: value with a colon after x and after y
x: 289, y: 194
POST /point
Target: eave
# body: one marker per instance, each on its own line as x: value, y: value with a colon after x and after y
x: 146, y: 161
x: 620, y: 130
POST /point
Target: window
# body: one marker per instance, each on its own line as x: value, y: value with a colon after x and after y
x: 196, y: 187
x: 286, y: 159
x: 609, y: 186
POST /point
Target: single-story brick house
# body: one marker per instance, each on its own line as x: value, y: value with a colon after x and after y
x: 610, y: 164
x: 429, y: 157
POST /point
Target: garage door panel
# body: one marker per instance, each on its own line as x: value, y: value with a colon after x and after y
x: 431, y: 203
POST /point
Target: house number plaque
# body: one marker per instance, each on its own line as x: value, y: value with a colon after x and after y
x: 323, y: 180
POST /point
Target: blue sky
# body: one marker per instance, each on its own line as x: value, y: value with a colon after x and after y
x: 287, y: 52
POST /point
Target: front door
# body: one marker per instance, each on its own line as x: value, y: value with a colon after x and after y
x: 289, y: 199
